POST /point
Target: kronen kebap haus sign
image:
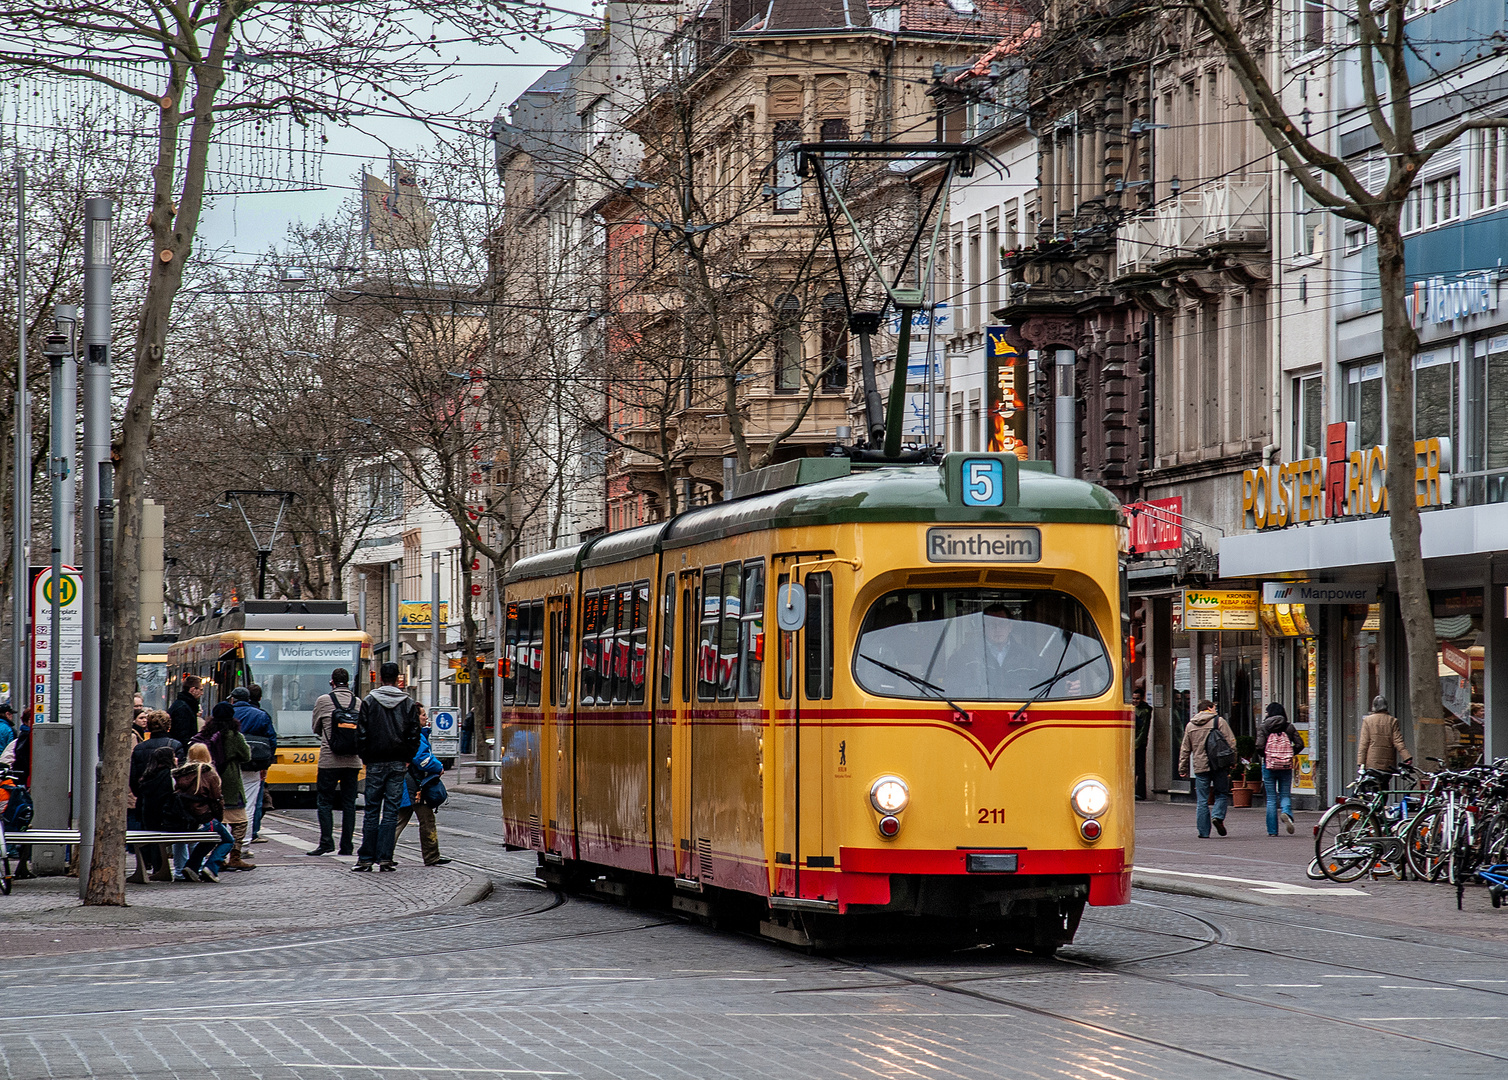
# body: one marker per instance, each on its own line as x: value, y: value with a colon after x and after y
x: 1344, y: 483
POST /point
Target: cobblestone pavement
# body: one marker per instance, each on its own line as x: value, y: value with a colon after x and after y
x: 528, y: 983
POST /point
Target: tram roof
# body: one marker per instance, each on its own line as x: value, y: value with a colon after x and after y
x: 919, y: 493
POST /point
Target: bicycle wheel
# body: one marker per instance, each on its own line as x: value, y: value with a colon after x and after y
x: 1494, y: 847
x: 1341, y: 843
x: 1461, y: 860
x: 1426, y: 843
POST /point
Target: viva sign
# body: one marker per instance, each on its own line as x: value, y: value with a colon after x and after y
x: 1346, y: 482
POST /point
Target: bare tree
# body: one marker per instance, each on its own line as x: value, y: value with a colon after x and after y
x: 1348, y: 190
x: 316, y: 59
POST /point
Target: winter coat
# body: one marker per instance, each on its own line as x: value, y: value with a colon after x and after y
x: 1271, y: 726
x: 229, y: 752
x: 387, y: 728
x: 197, y: 787
x: 141, y: 754
x: 156, y: 801
x: 324, y: 708
x: 7, y: 733
x: 254, y: 721
x: 424, y: 767
x: 1380, y: 743
x: 1191, y: 753
x: 184, y: 712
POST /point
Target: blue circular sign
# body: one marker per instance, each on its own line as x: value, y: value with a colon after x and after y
x: 444, y: 721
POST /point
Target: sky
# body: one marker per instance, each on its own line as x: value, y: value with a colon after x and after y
x: 486, y: 81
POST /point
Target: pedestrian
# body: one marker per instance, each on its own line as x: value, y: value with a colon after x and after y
x: 148, y: 857
x: 200, y: 804
x: 185, y: 710
x: 157, y: 805
x: 1211, y: 781
x: 1143, y: 728
x: 422, y: 769
x: 387, y: 738
x: 1278, y: 743
x: 16, y: 757
x: 468, y: 730
x: 336, y: 774
x: 264, y: 799
x: 230, y: 755
x: 262, y: 740
x: 7, y: 725
x: 1380, y: 745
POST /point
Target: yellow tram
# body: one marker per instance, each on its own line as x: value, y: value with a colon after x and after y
x: 289, y: 647
x: 887, y: 699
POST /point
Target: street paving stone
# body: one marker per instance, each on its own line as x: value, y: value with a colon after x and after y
x: 528, y: 984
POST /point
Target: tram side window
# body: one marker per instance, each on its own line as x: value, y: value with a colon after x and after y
x: 667, y: 636
x: 727, y: 652
x: 621, y: 644
x: 510, y: 655
x: 536, y: 649
x: 819, y: 636
x: 688, y: 642
x: 638, y: 655
x: 591, y: 613
x: 552, y: 644
x: 751, y: 642
x: 565, y: 652
x: 607, y: 648
x: 787, y: 647
x: 706, y: 661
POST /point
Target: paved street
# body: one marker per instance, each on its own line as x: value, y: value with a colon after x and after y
x: 529, y: 983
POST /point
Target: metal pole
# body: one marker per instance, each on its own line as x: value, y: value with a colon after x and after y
x: 895, y: 412
x: 96, y: 453
x: 1065, y: 409
x: 395, y: 608
x: 60, y: 353
x: 262, y: 557
x: 435, y: 630
x: 21, y: 676
x: 361, y: 603
x: 500, y: 637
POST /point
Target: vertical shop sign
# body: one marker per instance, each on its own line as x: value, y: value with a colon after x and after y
x: 1005, y: 379
x: 1305, y: 764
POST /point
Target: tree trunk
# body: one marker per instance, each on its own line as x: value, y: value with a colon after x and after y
x: 1399, y: 343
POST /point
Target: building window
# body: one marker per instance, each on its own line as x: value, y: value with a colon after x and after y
x: 1433, y: 203
x: 787, y: 183
x: 1364, y: 402
x: 787, y: 343
x: 1492, y: 168
x: 1311, y: 24
x: 1308, y: 417
x: 1308, y: 223
x: 834, y: 343
x: 835, y: 165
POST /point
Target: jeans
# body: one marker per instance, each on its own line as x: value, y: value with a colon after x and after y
x: 253, y: 785
x: 212, y: 856
x: 379, y: 828
x: 332, y: 783
x: 1206, y: 784
x: 1279, y: 785
x: 256, y: 821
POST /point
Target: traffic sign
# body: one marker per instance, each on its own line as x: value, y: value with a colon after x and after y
x: 71, y: 645
x: 444, y: 722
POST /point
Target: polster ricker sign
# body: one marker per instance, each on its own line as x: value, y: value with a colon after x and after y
x: 1344, y: 483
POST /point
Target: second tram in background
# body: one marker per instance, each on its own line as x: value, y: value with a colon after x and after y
x: 857, y: 701
x: 289, y: 647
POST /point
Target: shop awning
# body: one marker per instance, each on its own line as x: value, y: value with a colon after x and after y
x: 1338, y: 545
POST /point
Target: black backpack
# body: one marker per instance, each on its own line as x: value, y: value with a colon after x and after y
x: 262, y: 754
x: 1221, y: 754
x: 343, y: 725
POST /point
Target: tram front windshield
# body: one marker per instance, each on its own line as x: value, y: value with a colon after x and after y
x: 293, y: 675
x: 981, y: 645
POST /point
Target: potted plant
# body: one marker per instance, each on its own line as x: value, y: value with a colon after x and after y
x: 1242, y: 786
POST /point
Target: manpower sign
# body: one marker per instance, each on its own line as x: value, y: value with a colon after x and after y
x: 1303, y: 592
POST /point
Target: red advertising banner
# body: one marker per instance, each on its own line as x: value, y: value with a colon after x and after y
x: 1156, y: 525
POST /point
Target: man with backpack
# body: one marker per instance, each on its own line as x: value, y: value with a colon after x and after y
x: 262, y: 740
x: 1209, y: 751
x: 387, y: 738
x: 335, y: 722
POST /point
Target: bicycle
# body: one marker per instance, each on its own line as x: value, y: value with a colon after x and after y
x: 1358, y: 833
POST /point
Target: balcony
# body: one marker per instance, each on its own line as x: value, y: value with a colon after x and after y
x: 1223, y: 212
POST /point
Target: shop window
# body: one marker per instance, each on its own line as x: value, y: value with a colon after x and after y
x: 1308, y: 417
x: 1364, y: 402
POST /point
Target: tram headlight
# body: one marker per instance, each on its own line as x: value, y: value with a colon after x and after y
x: 1090, y: 798
x: 889, y: 795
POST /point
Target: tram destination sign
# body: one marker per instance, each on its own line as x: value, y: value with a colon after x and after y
x: 984, y: 545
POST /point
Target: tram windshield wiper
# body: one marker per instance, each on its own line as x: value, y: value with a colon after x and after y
x: 1048, y: 683
x: 917, y: 680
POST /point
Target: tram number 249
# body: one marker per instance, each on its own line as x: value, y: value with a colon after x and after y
x: 991, y: 817
x: 308, y: 757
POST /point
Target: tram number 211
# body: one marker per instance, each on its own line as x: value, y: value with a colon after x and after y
x: 991, y: 817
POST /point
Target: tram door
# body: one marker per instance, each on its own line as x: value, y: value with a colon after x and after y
x: 803, y: 692
x: 556, y: 713
x: 682, y: 739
